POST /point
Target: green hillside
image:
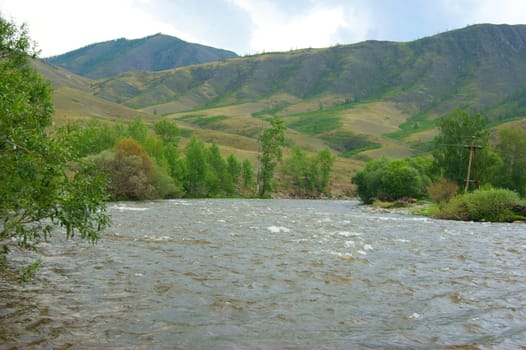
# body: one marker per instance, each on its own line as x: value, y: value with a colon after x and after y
x: 364, y: 101
x: 153, y: 53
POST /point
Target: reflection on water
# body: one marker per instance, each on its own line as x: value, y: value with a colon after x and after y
x: 272, y: 274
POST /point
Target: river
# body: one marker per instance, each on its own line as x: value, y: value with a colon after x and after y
x: 273, y: 274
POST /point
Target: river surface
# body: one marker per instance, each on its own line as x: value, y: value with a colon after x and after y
x: 273, y: 274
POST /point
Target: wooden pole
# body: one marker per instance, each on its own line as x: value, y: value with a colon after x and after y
x: 472, y: 158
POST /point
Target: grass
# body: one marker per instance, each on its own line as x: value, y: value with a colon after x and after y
x: 315, y: 124
x: 415, y: 124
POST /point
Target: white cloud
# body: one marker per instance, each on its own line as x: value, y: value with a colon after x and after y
x: 317, y: 26
x: 59, y: 26
x: 488, y: 11
x: 504, y: 11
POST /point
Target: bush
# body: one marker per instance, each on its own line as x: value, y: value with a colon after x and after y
x: 390, y: 180
x: 494, y: 205
x: 442, y: 191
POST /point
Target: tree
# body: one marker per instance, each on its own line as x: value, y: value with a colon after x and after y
x: 234, y: 170
x: 196, y: 168
x: 247, y: 173
x: 42, y: 183
x: 167, y: 131
x: 323, y: 163
x: 299, y: 168
x: 456, y: 130
x: 130, y: 170
x: 138, y: 130
x: 93, y: 137
x: 271, y: 140
x: 310, y: 175
x: 387, y: 179
x: 216, y: 178
x: 511, y: 148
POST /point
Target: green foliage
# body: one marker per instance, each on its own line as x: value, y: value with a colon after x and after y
x: 208, y: 122
x: 415, y: 123
x: 315, y: 123
x: 510, y: 173
x: 348, y: 143
x: 167, y: 131
x: 247, y: 172
x: 494, y: 205
x: 130, y: 170
x: 42, y: 183
x: 390, y: 180
x: 28, y: 272
x: 138, y: 130
x: 310, y: 176
x: 94, y: 137
x: 456, y: 131
x: 196, y: 168
x: 219, y: 181
x: 271, y: 140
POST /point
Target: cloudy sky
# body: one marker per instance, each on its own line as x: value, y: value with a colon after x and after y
x: 251, y: 26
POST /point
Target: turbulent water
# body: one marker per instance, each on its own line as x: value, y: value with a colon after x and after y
x: 274, y: 274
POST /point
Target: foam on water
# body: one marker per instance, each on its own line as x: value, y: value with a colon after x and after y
x: 123, y: 207
x: 278, y: 229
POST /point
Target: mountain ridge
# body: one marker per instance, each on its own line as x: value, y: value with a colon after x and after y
x: 152, y: 53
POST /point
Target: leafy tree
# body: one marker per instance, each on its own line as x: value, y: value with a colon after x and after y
x: 137, y: 130
x: 369, y: 179
x: 323, y: 163
x: 298, y: 167
x: 271, y: 140
x: 234, y: 168
x: 196, y: 168
x: 42, y: 184
x: 400, y: 180
x: 167, y: 131
x: 216, y: 171
x: 247, y: 173
x: 130, y: 169
x: 456, y: 130
x: 387, y: 179
x: 94, y: 137
x: 511, y: 172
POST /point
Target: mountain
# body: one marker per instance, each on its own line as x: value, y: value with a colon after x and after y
x: 478, y: 66
x: 153, y: 53
x: 364, y: 101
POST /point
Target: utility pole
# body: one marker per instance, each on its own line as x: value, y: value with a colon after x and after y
x: 472, y: 158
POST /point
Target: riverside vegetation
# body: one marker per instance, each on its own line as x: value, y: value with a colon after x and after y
x: 501, y: 169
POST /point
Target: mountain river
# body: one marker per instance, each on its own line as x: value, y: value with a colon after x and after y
x: 273, y: 274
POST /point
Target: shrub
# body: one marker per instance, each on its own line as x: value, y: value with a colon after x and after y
x: 442, y: 191
x: 495, y: 205
x: 390, y: 180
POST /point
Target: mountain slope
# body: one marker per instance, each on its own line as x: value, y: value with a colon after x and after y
x: 153, y: 53
x: 73, y: 99
x: 476, y: 67
x: 364, y: 100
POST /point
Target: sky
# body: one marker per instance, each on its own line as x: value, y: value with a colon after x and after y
x: 250, y: 26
